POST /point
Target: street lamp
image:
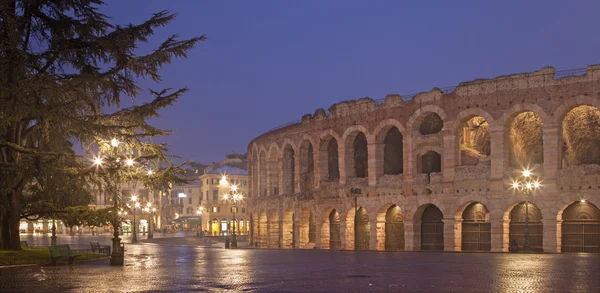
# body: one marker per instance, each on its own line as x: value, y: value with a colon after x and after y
x: 234, y: 197
x: 199, y: 212
x: 135, y: 205
x: 526, y: 184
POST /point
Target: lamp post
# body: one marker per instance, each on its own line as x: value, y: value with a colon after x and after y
x: 151, y: 211
x: 115, y: 162
x: 234, y: 197
x: 199, y: 212
x: 135, y: 205
x: 526, y: 184
x: 356, y: 192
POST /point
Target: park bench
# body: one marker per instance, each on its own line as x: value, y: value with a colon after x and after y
x: 24, y: 244
x: 61, y: 251
x: 100, y: 248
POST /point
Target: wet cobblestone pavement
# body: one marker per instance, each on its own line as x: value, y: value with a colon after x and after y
x: 172, y: 268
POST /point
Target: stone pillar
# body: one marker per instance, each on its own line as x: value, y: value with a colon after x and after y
x: 497, y: 151
x: 552, y: 152
x: 505, y: 234
x: 448, y: 153
x: 449, y: 234
x: 373, y: 233
x: 280, y: 231
x: 318, y: 227
x: 342, y: 162
x: 372, y: 163
x: 297, y: 168
x: 497, y: 234
x: 30, y: 227
x: 345, y: 233
x: 552, y: 235
x: 317, y: 167
x: 410, y: 243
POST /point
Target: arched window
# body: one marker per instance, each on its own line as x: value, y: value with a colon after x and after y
x: 581, y: 136
x: 361, y: 157
x: 431, y: 123
x: 333, y: 169
x: 392, y: 152
x: 431, y: 162
x: 526, y: 144
x: 289, y: 161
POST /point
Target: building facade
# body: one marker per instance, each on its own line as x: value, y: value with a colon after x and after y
x: 217, y: 216
x: 435, y: 172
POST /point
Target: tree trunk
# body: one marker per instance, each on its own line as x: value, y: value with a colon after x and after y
x: 4, y: 232
x: 14, y: 221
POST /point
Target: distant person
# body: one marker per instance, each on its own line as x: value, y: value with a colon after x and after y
x: 227, y: 242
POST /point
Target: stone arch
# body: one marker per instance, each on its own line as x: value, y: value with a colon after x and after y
x: 473, y: 137
x: 580, y: 136
x: 569, y: 104
x: 273, y: 229
x: 262, y: 229
x: 273, y: 171
x: 356, y: 152
x: 533, y: 140
x: 262, y: 175
x: 330, y: 230
x: 289, y: 169
x: 415, y: 120
x: 288, y: 229
x: 360, y: 236
x: 518, y: 216
x: 307, y: 165
x: 307, y: 231
x: 329, y: 156
x: 580, y: 227
x: 390, y: 228
x: 429, y: 228
x: 476, y: 228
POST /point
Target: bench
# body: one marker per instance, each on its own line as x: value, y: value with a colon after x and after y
x: 61, y: 251
x: 100, y: 248
x: 24, y: 244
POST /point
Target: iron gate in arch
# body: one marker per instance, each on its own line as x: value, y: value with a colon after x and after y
x: 536, y: 227
x: 581, y: 228
x: 432, y: 229
x: 476, y: 229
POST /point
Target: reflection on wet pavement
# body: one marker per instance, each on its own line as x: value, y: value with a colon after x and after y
x: 151, y: 267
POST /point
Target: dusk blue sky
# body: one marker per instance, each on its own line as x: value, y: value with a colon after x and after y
x: 266, y: 63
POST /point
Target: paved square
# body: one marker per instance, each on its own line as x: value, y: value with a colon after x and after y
x: 172, y: 268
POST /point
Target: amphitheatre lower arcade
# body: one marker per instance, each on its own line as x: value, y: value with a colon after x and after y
x: 434, y: 171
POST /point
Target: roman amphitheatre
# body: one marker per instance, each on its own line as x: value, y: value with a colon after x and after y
x: 434, y: 171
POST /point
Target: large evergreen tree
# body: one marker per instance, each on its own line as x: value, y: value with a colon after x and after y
x: 61, y: 63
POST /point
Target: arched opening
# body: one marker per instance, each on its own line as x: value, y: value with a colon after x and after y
x: 273, y: 229
x: 225, y: 227
x: 262, y: 176
x: 333, y: 169
x: 581, y: 228
x: 288, y: 229
x: 526, y: 144
x: 476, y: 228
x: 360, y: 156
x: 475, y: 142
x: 431, y: 162
x: 432, y: 229
x: 273, y: 173
x: 516, y: 231
x: 394, y: 229
x: 307, y: 166
x: 215, y: 227
x: 335, y: 241
x: 329, y: 160
x: 431, y: 123
x: 581, y: 136
x: 289, y: 163
x: 361, y: 234
x: 393, y: 152
x: 254, y: 175
x: 262, y: 229
x: 307, y: 229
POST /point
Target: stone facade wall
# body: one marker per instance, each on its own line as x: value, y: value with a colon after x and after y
x: 484, y: 181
